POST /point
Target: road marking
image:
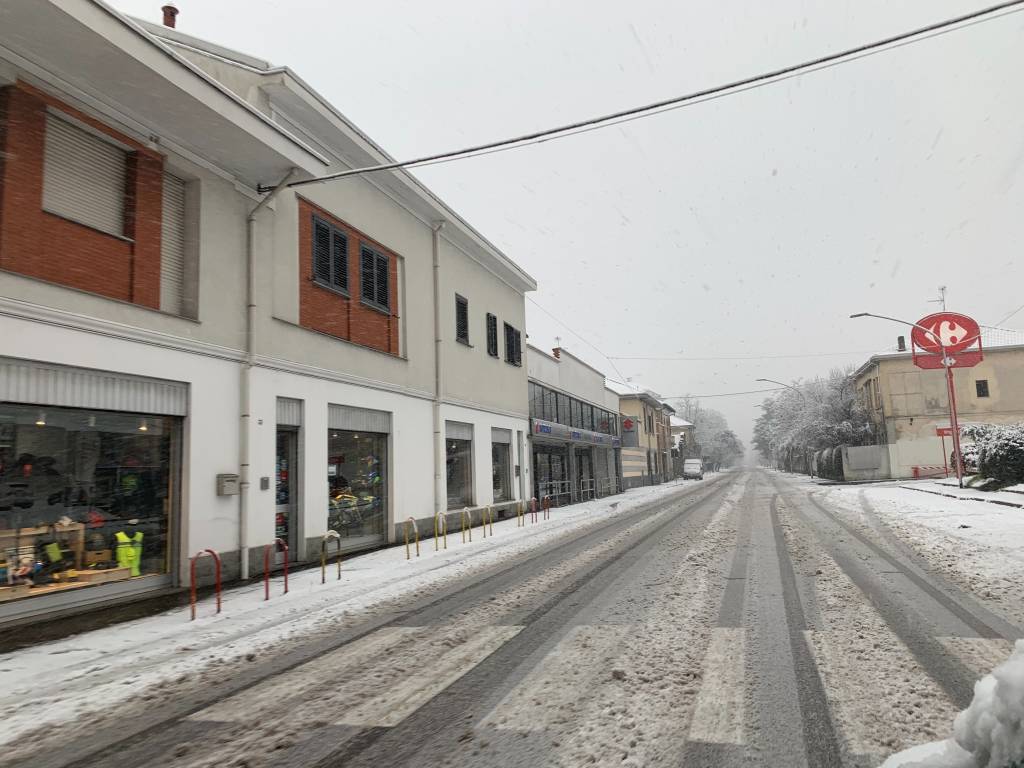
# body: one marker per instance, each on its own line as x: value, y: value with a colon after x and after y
x: 978, y: 654
x: 719, y: 715
x: 550, y: 692
x: 378, y: 680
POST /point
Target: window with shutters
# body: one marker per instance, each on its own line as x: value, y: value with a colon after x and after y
x: 461, y: 319
x: 330, y: 256
x: 172, y: 246
x: 492, y: 335
x: 373, y: 278
x: 84, y: 177
x: 513, y: 346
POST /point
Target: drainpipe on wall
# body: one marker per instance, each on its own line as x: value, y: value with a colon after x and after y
x: 245, y: 378
x: 439, y: 487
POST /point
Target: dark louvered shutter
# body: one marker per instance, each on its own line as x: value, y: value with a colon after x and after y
x: 321, y: 251
x: 366, y: 275
x: 492, y: 335
x: 519, y: 348
x: 339, y: 277
x: 461, y: 319
x: 382, y: 280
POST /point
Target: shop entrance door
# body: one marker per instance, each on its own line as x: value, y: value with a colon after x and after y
x: 585, y: 473
x: 286, y: 522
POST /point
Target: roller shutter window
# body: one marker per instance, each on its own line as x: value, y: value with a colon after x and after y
x: 83, y: 177
x: 172, y: 246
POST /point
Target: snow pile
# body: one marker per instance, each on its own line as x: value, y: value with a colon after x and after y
x: 989, y: 733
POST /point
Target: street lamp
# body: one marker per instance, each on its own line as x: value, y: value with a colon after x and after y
x: 947, y: 363
x: 787, y: 386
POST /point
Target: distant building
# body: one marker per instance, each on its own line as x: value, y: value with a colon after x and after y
x: 574, y: 428
x: 646, y: 451
x: 907, y: 405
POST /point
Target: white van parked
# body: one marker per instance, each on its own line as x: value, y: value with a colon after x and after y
x: 693, y: 469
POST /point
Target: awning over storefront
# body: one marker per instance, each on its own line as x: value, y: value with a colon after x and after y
x: 549, y: 430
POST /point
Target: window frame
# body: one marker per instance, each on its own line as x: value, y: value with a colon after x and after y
x: 379, y: 257
x: 980, y: 384
x: 513, y: 345
x: 334, y: 232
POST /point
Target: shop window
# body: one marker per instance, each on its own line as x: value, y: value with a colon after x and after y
x: 356, y: 482
x: 577, y: 414
x: 981, y: 387
x: 501, y: 471
x: 550, y: 405
x: 85, y: 497
x: 536, y: 401
x: 459, y: 461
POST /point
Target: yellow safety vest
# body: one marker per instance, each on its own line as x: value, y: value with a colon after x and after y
x: 129, y: 551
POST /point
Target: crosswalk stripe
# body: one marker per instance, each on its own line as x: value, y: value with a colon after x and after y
x: 719, y: 715
x: 378, y: 680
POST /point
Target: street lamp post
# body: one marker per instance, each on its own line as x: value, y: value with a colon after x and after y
x: 947, y: 363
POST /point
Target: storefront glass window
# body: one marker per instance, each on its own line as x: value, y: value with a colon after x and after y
x: 460, y: 472
x: 357, y: 482
x: 550, y: 412
x: 563, y: 409
x: 501, y: 474
x: 85, y: 497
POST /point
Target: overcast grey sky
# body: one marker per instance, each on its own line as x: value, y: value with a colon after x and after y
x: 750, y: 225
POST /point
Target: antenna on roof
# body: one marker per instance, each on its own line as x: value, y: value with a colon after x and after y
x: 942, y: 298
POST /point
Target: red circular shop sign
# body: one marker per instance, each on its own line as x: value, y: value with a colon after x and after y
x: 627, y: 424
x: 956, y: 333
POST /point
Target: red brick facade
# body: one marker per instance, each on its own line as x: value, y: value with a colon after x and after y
x: 40, y: 244
x: 346, y: 317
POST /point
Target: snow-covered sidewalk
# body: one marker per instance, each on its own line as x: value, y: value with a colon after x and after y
x: 55, y: 682
x: 1010, y: 497
x: 977, y: 545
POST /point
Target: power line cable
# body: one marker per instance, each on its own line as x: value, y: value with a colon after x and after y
x: 765, y: 78
x: 721, y: 394
x: 1018, y: 309
x: 574, y: 333
x: 747, y: 357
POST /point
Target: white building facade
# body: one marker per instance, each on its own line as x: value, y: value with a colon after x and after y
x: 191, y: 362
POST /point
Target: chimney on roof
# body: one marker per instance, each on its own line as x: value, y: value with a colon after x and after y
x: 557, y: 352
x: 170, y: 15
x: 901, y: 343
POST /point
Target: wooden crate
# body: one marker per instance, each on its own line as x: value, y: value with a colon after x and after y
x: 101, y: 577
x: 97, y: 556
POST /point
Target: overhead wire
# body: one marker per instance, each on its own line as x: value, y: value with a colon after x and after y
x: 737, y: 86
x: 578, y: 336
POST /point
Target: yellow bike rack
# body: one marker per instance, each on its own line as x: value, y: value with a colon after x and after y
x: 440, y: 526
x: 416, y: 532
x: 465, y: 517
x: 323, y: 554
x: 520, y: 514
x: 487, y: 516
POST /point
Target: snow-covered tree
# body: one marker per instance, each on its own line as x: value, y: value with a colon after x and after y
x: 717, y: 442
x: 823, y: 412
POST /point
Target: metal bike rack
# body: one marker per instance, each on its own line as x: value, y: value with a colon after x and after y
x: 547, y: 507
x: 192, y: 576
x: 266, y: 567
x: 416, y: 532
x: 520, y: 514
x: 533, y: 509
x: 463, y: 518
x: 440, y: 526
x: 323, y: 554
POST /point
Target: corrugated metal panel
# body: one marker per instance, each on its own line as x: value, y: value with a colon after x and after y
x: 83, y: 177
x: 22, y: 381
x: 499, y: 435
x: 289, y: 412
x: 172, y: 246
x: 358, y: 419
x: 456, y: 430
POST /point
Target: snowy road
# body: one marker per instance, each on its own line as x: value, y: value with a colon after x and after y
x: 746, y: 620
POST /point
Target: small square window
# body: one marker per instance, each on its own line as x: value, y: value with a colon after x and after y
x: 981, y: 387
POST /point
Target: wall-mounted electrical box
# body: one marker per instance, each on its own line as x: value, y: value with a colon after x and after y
x: 228, y: 485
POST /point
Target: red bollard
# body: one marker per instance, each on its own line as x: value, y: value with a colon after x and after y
x: 547, y: 507
x: 192, y: 575
x: 266, y: 567
x: 533, y: 508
